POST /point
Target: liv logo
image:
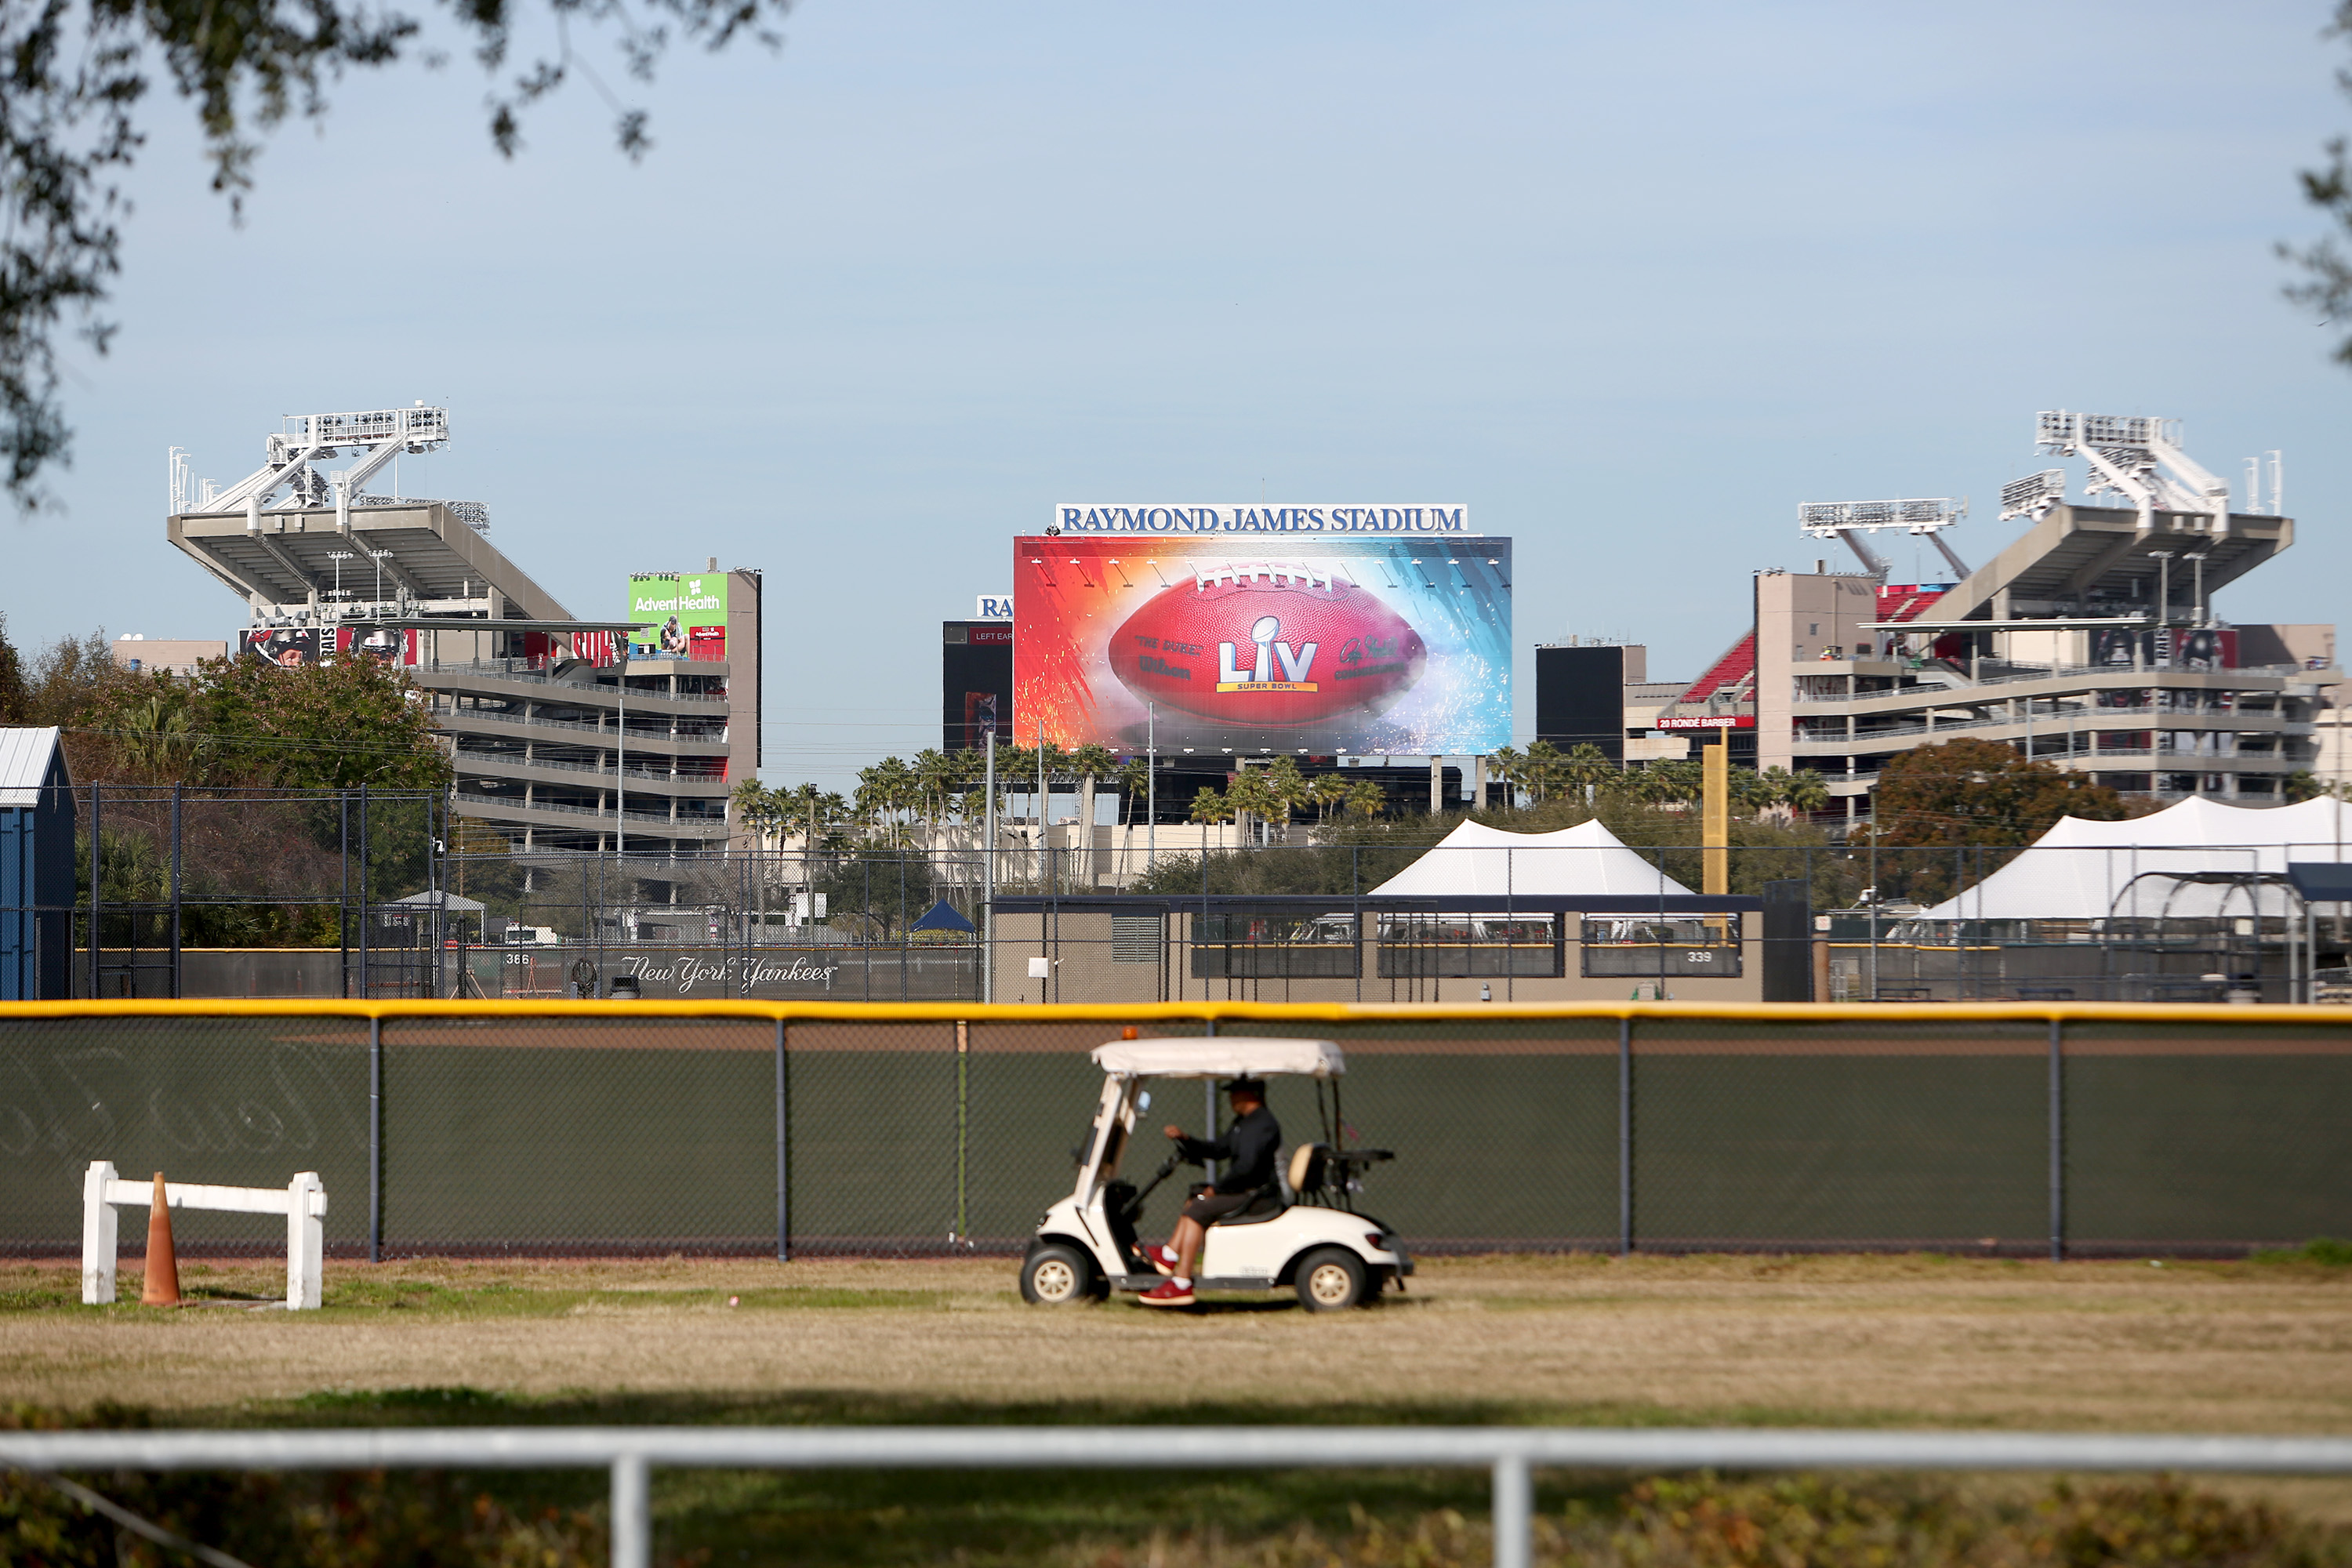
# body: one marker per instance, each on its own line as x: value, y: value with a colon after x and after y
x: 1298, y: 663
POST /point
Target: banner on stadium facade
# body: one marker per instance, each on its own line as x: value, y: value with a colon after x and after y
x: 1223, y: 645
x: 688, y: 613
x: 307, y: 645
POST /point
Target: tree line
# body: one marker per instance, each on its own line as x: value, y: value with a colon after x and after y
x: 896, y: 796
x: 233, y: 725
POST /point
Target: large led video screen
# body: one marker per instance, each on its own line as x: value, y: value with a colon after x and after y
x: 1346, y: 647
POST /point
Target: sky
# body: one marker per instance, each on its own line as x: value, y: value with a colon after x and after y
x: 1629, y: 282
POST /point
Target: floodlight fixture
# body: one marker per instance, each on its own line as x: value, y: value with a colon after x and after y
x: 1828, y: 519
x: 303, y: 440
x: 2138, y: 456
x: 2033, y: 495
x: 1849, y: 520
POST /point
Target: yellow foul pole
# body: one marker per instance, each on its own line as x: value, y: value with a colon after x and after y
x: 1714, y: 814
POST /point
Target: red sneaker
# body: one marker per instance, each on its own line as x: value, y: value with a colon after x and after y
x: 1167, y: 1293
x: 1164, y: 1259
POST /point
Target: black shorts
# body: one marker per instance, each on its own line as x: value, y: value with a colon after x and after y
x: 1211, y: 1207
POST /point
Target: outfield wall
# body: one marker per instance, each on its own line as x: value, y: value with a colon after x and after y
x: 734, y: 1128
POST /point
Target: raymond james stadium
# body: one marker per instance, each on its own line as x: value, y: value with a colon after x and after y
x: 1994, y: 920
x: 1764, y: 983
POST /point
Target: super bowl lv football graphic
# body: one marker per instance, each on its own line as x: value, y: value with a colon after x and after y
x: 1270, y: 642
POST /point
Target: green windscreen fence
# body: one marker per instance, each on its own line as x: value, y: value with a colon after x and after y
x: 620, y: 1134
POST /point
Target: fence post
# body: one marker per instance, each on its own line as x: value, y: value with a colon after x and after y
x: 364, y: 992
x: 177, y: 791
x: 964, y: 1124
x: 2057, y: 1142
x: 376, y: 1139
x: 783, y: 1148
x: 96, y: 880
x: 632, y: 1545
x: 1511, y: 1510
x: 1625, y: 1136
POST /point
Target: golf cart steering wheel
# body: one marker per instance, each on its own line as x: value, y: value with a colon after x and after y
x: 1135, y: 1203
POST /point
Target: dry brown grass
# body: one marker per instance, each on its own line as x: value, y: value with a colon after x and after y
x: 1849, y: 1339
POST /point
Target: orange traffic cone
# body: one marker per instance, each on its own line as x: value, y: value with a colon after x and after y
x: 163, y: 1286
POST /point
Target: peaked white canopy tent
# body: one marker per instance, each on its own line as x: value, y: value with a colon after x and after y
x: 2196, y: 860
x: 1574, y: 862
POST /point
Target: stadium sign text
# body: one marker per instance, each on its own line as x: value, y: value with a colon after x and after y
x: 1422, y: 517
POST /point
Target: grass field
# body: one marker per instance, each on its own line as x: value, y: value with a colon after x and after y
x: 1891, y: 1342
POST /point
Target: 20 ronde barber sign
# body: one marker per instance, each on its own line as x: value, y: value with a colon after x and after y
x: 1418, y: 517
x: 1241, y: 641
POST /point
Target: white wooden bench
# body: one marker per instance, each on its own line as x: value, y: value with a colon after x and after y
x: 303, y: 1202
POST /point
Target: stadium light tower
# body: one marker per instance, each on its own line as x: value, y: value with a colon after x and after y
x: 2138, y: 456
x: 304, y: 441
x: 1849, y: 520
x: 2033, y: 495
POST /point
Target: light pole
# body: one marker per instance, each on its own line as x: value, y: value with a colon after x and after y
x: 1150, y: 788
x: 2163, y: 559
x: 339, y: 557
x: 378, y: 557
x: 988, y: 878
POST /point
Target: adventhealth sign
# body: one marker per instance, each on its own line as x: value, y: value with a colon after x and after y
x: 1422, y: 517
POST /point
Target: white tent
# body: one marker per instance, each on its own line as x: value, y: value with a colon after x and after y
x: 1573, y: 862
x: 2089, y: 870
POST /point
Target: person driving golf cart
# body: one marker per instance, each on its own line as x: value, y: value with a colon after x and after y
x: 1248, y: 1147
x: 1279, y: 1219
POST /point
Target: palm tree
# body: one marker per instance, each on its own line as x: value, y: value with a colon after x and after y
x: 1680, y: 779
x: 1541, y: 769
x: 1589, y: 766
x: 1757, y: 793
x: 1252, y: 799
x: 1329, y: 792
x: 1806, y: 792
x: 934, y: 777
x: 1209, y: 807
x: 1134, y: 784
x: 1509, y: 768
x: 1366, y: 799
x: 1287, y: 787
x: 885, y: 791
x: 758, y: 808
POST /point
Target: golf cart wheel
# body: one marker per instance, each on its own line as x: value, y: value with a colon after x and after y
x: 1331, y: 1280
x: 1056, y: 1276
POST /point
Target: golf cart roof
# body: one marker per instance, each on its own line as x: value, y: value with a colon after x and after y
x: 1221, y: 1056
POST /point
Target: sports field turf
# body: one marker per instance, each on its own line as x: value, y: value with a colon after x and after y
x: 1910, y: 1340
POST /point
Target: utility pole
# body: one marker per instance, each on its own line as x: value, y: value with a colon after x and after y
x: 1151, y: 787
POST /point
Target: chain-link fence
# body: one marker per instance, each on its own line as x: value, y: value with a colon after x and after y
x: 379, y: 895
x: 612, y: 1130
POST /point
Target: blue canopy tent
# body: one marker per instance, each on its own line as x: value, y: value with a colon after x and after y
x: 940, y: 917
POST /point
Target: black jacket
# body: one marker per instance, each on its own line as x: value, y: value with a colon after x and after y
x: 1249, y: 1147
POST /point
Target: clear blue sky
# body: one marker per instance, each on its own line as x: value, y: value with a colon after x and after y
x: 1630, y: 281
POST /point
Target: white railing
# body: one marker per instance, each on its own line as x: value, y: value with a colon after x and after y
x: 302, y: 1202
x: 2070, y: 672
x: 1508, y: 1452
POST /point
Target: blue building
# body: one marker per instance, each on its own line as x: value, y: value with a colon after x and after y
x: 36, y: 867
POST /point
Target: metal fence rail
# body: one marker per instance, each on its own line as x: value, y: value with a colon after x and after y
x: 1510, y: 1453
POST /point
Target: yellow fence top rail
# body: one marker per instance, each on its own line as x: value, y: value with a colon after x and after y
x: 1221, y: 1012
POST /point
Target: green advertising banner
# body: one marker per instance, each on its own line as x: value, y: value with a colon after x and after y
x: 687, y: 615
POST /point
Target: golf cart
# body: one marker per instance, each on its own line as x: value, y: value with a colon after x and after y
x: 1303, y: 1232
